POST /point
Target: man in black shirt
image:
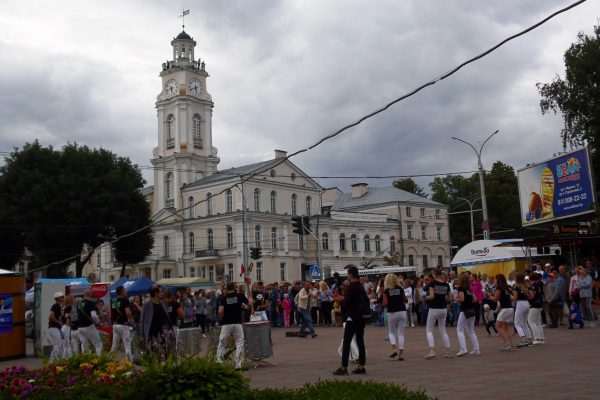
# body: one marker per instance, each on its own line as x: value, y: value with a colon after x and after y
x: 230, y: 311
x: 354, y: 295
x: 261, y: 298
x: 55, y: 326
x: 87, y: 315
x: 122, y: 322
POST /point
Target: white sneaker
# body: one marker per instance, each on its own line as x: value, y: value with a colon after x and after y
x: 475, y: 352
x: 412, y: 325
x: 537, y: 342
x: 592, y: 324
x: 461, y: 353
x: 431, y: 355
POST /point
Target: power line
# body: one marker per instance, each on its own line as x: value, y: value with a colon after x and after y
x: 351, y: 125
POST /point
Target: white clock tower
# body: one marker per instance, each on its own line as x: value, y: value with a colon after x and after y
x: 184, y: 110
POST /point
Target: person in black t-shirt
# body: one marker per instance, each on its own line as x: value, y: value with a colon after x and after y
x: 394, y: 300
x: 438, y: 296
x: 536, y: 305
x: 466, y: 318
x: 123, y: 321
x: 55, y: 325
x: 260, y: 298
x: 230, y: 311
x: 354, y: 295
x: 506, y: 313
x: 88, y: 318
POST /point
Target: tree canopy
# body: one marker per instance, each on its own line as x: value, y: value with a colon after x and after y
x: 409, y: 185
x: 57, y: 202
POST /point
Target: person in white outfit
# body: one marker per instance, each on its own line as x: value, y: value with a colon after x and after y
x: 408, y: 291
x: 230, y: 311
x: 466, y: 318
x: 88, y: 318
x: 438, y: 296
x: 55, y: 325
x: 67, y: 350
x: 394, y: 301
x: 521, y: 297
x: 123, y: 321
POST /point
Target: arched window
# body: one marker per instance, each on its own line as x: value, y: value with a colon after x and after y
x: 228, y: 201
x: 257, y: 199
x: 353, y: 242
x: 191, y: 240
x: 325, y: 241
x: 392, y: 244
x: 166, y: 246
x: 170, y: 131
x: 367, y: 241
x: 342, y: 242
x: 169, y: 190
x: 377, y: 243
x: 273, y: 237
x: 273, y: 202
x: 229, y: 237
x: 257, y: 236
x: 191, y: 206
x: 210, y: 239
x: 209, y: 207
x: 197, y: 121
x: 294, y: 204
x: 308, y: 201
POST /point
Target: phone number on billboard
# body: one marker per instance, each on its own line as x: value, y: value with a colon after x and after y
x: 577, y: 197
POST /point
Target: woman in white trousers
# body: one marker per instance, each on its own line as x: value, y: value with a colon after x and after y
x: 394, y: 301
x: 536, y: 305
x: 466, y: 318
x: 521, y: 297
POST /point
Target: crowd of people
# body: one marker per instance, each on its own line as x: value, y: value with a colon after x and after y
x: 520, y: 304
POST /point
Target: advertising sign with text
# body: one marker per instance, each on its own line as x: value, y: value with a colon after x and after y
x: 559, y: 188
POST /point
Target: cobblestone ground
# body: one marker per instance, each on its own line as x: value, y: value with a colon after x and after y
x: 566, y: 367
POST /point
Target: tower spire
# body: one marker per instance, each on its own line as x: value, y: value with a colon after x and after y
x: 182, y: 16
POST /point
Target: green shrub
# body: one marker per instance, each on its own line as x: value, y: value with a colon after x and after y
x: 190, y: 378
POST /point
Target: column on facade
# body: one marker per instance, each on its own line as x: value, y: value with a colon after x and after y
x: 178, y: 253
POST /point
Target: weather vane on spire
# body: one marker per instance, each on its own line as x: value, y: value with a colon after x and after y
x: 182, y: 16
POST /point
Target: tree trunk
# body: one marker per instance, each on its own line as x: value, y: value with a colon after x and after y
x: 79, y: 264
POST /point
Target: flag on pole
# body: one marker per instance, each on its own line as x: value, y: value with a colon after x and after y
x: 185, y: 12
x: 243, y: 270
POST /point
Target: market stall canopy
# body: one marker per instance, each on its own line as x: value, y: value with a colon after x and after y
x: 8, y: 273
x: 183, y: 282
x: 117, y: 283
x: 489, y: 251
x: 135, y: 286
x: 74, y: 283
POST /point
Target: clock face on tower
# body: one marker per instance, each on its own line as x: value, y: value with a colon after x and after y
x: 195, y: 87
x: 171, y: 88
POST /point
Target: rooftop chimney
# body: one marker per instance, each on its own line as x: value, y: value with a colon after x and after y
x: 359, y: 190
x: 279, y: 154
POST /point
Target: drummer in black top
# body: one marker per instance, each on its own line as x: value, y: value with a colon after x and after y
x: 439, y: 297
x: 230, y: 311
x: 394, y: 300
x: 506, y: 313
x: 466, y: 319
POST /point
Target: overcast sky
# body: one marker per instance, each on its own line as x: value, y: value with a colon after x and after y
x: 285, y: 73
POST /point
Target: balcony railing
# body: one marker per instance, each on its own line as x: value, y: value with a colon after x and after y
x: 207, y: 253
x: 169, y: 203
x: 198, y: 142
x: 170, y: 143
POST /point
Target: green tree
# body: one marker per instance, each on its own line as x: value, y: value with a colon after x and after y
x: 577, y: 96
x: 65, y: 201
x: 409, y: 185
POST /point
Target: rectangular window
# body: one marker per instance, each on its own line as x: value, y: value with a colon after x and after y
x: 441, y: 261
x: 259, y: 271
x: 230, y: 272
x: 283, y: 272
x: 422, y: 213
x: 166, y: 273
x: 409, y: 231
x: 408, y: 212
x: 273, y: 238
x: 423, y: 232
x: 437, y: 213
x: 438, y: 231
x: 411, y: 260
x: 192, y: 272
x: 202, y: 272
x: 211, y: 273
x: 425, y: 263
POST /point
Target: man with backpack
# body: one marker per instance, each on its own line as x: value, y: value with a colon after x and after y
x: 356, y: 312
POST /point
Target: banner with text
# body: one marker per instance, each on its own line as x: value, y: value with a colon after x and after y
x: 559, y: 188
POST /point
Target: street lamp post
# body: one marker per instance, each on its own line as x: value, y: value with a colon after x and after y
x: 486, y: 222
x: 471, y: 207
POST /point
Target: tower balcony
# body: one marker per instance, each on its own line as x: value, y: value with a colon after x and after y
x: 198, y: 142
x: 170, y: 143
x: 169, y: 203
x: 207, y: 254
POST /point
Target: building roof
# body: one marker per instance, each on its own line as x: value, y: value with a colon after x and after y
x: 380, y: 196
x: 232, y: 173
x: 184, y: 35
x: 148, y: 190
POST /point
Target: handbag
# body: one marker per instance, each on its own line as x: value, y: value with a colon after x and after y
x: 470, y: 313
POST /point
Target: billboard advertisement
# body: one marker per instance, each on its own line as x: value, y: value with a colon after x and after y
x: 561, y: 187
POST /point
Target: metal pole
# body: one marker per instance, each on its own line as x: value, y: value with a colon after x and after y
x: 471, y: 212
x: 244, y: 234
x: 486, y: 222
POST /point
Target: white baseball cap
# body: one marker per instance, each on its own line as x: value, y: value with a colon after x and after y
x: 58, y: 294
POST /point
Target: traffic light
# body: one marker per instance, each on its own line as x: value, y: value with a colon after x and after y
x: 255, y: 253
x: 297, y: 225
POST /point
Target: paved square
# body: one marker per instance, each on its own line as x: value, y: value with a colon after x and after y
x: 566, y: 367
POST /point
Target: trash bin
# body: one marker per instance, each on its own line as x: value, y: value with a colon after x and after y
x: 12, y: 315
x: 257, y: 336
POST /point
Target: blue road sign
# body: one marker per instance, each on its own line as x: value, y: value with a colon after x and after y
x: 315, y: 273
